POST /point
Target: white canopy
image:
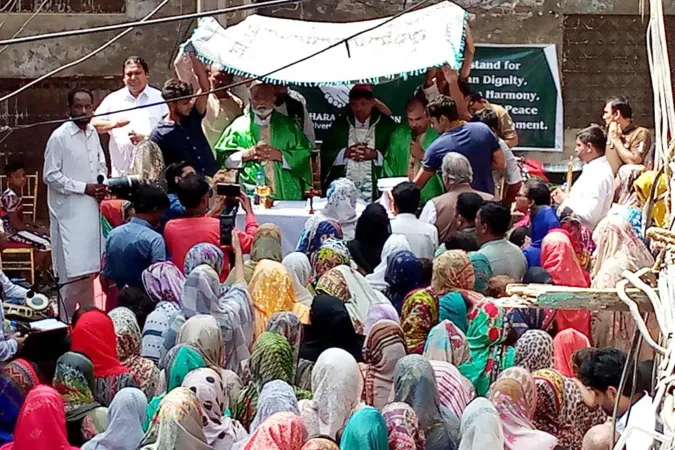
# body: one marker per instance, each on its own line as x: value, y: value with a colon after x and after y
x: 407, y: 45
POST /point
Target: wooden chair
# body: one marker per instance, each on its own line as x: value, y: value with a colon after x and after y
x: 21, y: 257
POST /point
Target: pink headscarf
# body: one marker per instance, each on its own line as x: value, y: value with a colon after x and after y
x: 42, y: 422
x: 564, y: 345
x: 560, y: 261
x: 282, y: 431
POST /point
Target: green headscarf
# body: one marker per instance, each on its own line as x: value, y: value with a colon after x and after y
x: 482, y: 271
x: 365, y: 430
x: 181, y: 360
x: 271, y: 359
x: 488, y: 328
x: 452, y: 307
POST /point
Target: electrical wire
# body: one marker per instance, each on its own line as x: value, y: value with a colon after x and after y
x: 229, y: 86
x: 141, y: 23
x: 25, y: 24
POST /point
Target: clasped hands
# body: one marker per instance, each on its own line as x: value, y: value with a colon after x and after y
x: 360, y: 152
x: 262, y: 152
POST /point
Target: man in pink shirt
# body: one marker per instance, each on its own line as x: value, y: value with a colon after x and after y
x: 195, y: 228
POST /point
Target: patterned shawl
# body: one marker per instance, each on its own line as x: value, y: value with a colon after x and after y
x: 383, y: 347
x: 341, y: 205
x: 418, y: 315
x: 17, y: 378
x: 275, y: 396
x: 454, y: 389
x: 453, y: 272
x: 282, y: 431
x: 204, y: 254
x: 289, y: 326
x: 332, y: 253
x: 404, y: 274
x: 534, y: 350
x: 447, y: 343
x: 316, y: 232
x: 129, y: 350
x: 405, y: 432
x: 481, y: 427
x: 163, y: 282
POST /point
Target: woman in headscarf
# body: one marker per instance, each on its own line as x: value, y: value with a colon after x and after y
x: 372, y: 231
x: 272, y: 291
x: 515, y: 398
x: 405, y: 432
x: 41, y: 423
x: 383, y: 347
x: 271, y: 359
x: 332, y: 253
x: 565, y: 344
x: 523, y: 319
x: 181, y: 360
x: 341, y: 198
x: 94, y: 336
x: 74, y: 380
x: 482, y: 271
x: 129, y: 350
x: 557, y: 257
x: 643, y: 188
x: 320, y: 443
x: 404, y: 274
x: 351, y: 287
x: 381, y: 311
x: 619, y: 249
x: 418, y: 316
x: 221, y: 432
x: 447, y: 343
x: 337, y: 385
x: 415, y: 384
x: 534, y: 350
x: 282, y: 431
x: 232, y: 310
x: 177, y: 424
x: 626, y: 203
x: 204, y: 254
x: 561, y: 410
x: 453, y: 282
x: 266, y: 245
x: 289, y: 326
x: 395, y: 244
x: 581, y: 239
x: 454, y: 389
x: 125, y: 422
x: 315, y: 232
x: 299, y: 268
x: 17, y: 378
x: 487, y: 332
x: 164, y: 284
x: 276, y: 396
x: 543, y: 220
x: 365, y: 430
x: 330, y: 327
x: 482, y: 428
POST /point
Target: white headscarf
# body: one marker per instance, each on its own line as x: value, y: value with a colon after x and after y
x: 395, y: 243
x: 481, y: 427
x: 337, y: 385
x: 363, y: 297
x: 341, y: 206
x: 125, y: 422
x: 300, y: 270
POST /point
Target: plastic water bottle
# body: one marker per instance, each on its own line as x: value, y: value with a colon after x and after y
x: 259, y: 183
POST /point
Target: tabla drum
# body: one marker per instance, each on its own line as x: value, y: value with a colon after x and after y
x: 38, y: 303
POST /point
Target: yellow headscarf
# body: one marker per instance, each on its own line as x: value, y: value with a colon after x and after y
x: 643, y: 188
x: 272, y: 291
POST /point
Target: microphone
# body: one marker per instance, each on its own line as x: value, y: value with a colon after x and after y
x: 100, y: 179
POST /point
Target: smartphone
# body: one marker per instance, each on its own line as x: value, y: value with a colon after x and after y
x: 228, y: 189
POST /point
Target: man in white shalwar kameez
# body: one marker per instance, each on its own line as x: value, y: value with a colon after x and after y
x: 73, y: 161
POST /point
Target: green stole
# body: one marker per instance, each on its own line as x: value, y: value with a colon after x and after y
x: 337, y: 138
x: 398, y: 156
x: 286, y: 137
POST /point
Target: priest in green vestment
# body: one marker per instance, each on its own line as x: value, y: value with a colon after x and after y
x: 264, y: 140
x: 356, y: 144
x: 406, y: 148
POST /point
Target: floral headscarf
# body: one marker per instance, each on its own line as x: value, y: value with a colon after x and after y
x: 446, y: 342
x: 488, y: 328
x: 332, y: 253
x: 320, y: 443
x: 163, y: 282
x: 282, y: 431
x: 275, y: 396
x: 404, y: 274
x: 201, y: 254
x: 481, y: 427
x: 561, y: 410
x: 515, y: 398
x: 342, y: 196
x: 534, y: 350
x: 383, y: 347
x: 315, y: 233
x: 418, y: 316
x: 129, y: 350
x: 17, y: 378
x: 74, y: 380
x: 404, y: 428
x: 203, y: 333
x: 581, y: 239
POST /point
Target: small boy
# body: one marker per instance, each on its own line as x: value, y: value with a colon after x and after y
x: 11, y: 205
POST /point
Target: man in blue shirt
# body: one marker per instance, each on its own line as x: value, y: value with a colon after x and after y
x: 473, y: 140
x: 133, y: 247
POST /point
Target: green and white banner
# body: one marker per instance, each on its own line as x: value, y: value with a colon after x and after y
x: 524, y: 79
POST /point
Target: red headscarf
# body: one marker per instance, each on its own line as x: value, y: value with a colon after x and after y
x: 564, y: 345
x: 560, y: 261
x: 42, y: 422
x: 94, y: 335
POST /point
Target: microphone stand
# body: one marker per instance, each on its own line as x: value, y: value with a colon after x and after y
x: 56, y: 286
